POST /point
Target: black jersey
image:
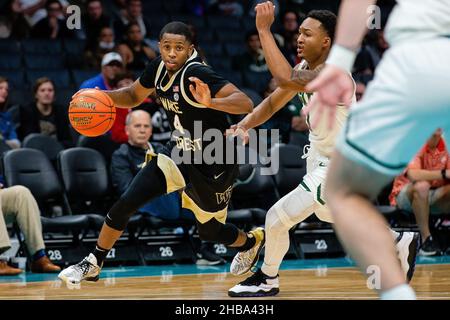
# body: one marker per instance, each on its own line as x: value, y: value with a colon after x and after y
x: 183, y: 110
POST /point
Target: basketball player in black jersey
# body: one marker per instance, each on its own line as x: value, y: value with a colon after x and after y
x: 190, y: 91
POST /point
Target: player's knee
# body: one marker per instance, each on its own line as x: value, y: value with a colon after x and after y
x: 421, y: 189
x: 119, y: 214
x: 214, y: 231
x: 275, y: 222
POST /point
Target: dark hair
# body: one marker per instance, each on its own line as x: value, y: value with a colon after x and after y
x: 41, y: 81
x: 327, y: 19
x: 177, y: 27
x: 50, y: 2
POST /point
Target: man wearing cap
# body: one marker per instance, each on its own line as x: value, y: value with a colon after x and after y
x: 112, y: 65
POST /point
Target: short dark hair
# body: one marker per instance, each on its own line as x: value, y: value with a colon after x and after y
x: 177, y: 27
x: 327, y: 19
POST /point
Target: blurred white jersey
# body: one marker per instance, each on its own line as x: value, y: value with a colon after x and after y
x: 415, y: 20
x: 321, y: 137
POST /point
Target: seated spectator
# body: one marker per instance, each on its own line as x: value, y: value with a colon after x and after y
x: 290, y: 22
x: 13, y: 24
x: 133, y: 13
x: 18, y: 204
x: 135, y: 53
x: 424, y: 187
x: 370, y: 54
x: 105, y: 43
x: 253, y: 59
x: 44, y: 116
x: 94, y: 21
x: 160, y: 123
x: 360, y: 90
x: 112, y: 66
x: 8, y: 135
x: 53, y: 26
x: 128, y: 160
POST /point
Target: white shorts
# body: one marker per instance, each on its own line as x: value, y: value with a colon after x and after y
x: 406, y: 102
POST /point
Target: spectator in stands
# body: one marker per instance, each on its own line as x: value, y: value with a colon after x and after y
x: 253, y: 59
x: 94, y: 21
x: 44, y: 115
x: 13, y: 24
x: 425, y: 186
x: 360, y: 90
x: 370, y: 54
x: 135, y: 53
x: 8, y: 135
x: 118, y: 133
x: 290, y: 22
x: 112, y: 66
x: 53, y: 26
x: 18, y: 204
x: 105, y: 43
x: 128, y: 160
x: 226, y: 8
x: 33, y: 10
x: 133, y: 13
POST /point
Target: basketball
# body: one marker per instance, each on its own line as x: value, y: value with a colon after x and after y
x: 92, y: 112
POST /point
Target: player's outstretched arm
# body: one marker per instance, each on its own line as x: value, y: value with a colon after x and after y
x: 131, y: 96
x: 278, y: 65
x: 228, y: 99
x: 262, y: 112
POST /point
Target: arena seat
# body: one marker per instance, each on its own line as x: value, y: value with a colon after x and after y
x: 292, y: 167
x: 60, y: 78
x: 31, y: 168
x: 10, y: 46
x: 10, y: 61
x: 48, y: 145
x: 41, y: 46
x: 258, y: 81
x: 39, y: 61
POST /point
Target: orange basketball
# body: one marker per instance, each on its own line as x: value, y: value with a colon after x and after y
x: 92, y: 112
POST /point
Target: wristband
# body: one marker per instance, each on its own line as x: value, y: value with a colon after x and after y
x: 342, y: 58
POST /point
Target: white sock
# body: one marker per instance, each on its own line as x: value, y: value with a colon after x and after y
x: 401, y: 292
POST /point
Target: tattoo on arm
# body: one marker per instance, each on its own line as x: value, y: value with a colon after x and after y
x: 303, y: 77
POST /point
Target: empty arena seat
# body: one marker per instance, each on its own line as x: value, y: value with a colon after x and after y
x: 235, y: 48
x: 16, y: 78
x: 212, y: 48
x: 10, y: 46
x: 43, y: 61
x: 42, y: 46
x: 225, y: 35
x: 48, y: 145
x: 292, y: 167
x: 257, y: 81
x: 60, y: 78
x: 10, y: 61
x: 224, y: 22
x: 31, y: 168
x: 102, y: 144
x: 79, y: 76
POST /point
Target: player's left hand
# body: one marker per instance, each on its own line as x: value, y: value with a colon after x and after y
x: 331, y: 87
x: 265, y: 15
x: 200, y: 91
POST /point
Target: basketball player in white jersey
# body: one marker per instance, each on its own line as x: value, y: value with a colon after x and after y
x: 407, y: 100
x: 314, y: 42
